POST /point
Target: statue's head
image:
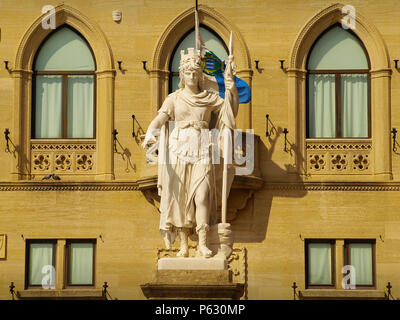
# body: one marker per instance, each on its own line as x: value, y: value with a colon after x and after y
x: 191, y: 68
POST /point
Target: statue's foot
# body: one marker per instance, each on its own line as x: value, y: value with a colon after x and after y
x: 184, y: 252
x: 204, y: 251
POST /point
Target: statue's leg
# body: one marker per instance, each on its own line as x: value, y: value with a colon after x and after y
x: 203, y: 207
x: 184, y: 251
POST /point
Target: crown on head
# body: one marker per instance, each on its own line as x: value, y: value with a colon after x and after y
x: 192, y: 58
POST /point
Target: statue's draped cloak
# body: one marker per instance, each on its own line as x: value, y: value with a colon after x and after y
x: 185, y: 160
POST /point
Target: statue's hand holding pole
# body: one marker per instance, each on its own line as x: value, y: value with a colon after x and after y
x: 149, y: 138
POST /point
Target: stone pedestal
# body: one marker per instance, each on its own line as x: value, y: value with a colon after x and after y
x: 192, y: 278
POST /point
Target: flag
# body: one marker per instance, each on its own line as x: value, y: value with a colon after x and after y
x: 213, y: 68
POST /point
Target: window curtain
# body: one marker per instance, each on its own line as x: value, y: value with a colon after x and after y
x: 80, y: 107
x: 361, y: 260
x: 81, y: 264
x: 319, y: 264
x: 48, y: 110
x: 354, y: 91
x: 321, y: 113
x: 40, y: 255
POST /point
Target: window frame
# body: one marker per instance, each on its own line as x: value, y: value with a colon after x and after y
x: 64, y: 88
x: 332, y: 242
x: 346, y: 261
x: 176, y: 74
x: 67, y: 269
x: 337, y: 73
x: 27, y: 259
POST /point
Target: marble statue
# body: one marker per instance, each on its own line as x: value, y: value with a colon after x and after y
x: 188, y: 180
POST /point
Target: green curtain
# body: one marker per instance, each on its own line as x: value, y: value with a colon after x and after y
x: 354, y: 93
x: 321, y: 113
x: 40, y: 255
x: 361, y: 260
x: 80, y: 107
x: 48, y: 111
x: 81, y: 264
x: 319, y: 264
x: 65, y: 50
x: 337, y: 49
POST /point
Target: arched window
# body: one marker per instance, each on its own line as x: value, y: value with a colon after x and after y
x: 64, y: 87
x: 338, y: 87
x: 212, y: 41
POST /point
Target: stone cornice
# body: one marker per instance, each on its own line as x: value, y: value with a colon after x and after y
x: 239, y: 182
x: 69, y: 186
x: 333, y: 186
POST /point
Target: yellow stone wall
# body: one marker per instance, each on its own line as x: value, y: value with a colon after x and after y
x: 275, y: 221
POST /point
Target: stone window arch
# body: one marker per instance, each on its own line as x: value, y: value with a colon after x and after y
x: 366, y: 157
x: 171, y: 36
x: 89, y: 158
x: 212, y: 42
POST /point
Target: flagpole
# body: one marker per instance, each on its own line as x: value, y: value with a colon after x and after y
x: 225, y: 176
x: 227, y: 157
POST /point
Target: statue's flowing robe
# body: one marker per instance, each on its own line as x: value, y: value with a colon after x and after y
x: 185, y: 159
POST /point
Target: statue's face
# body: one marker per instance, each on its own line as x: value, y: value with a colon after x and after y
x: 191, y: 78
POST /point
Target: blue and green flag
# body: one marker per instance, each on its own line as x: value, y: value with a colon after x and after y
x: 214, y: 67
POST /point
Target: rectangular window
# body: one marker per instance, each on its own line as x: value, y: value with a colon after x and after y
x: 361, y: 255
x: 320, y: 263
x: 64, y: 105
x: 40, y: 262
x: 80, y: 262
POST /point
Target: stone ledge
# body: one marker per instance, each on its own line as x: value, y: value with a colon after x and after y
x: 192, y: 264
x: 192, y: 277
x: 85, y: 294
x: 333, y: 294
x: 171, y: 291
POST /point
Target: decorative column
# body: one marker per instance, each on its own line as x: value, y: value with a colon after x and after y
x: 21, y: 125
x: 105, y: 124
x: 381, y: 122
x: 243, y: 119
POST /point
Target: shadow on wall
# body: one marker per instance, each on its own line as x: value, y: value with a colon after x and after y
x: 251, y: 224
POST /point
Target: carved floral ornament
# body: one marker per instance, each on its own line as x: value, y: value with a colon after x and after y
x: 339, y: 157
x: 63, y: 157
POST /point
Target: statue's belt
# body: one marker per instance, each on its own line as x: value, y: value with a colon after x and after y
x: 198, y: 125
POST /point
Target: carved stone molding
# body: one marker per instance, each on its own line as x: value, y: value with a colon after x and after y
x: 135, y: 186
x: 68, y: 186
x: 333, y: 186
